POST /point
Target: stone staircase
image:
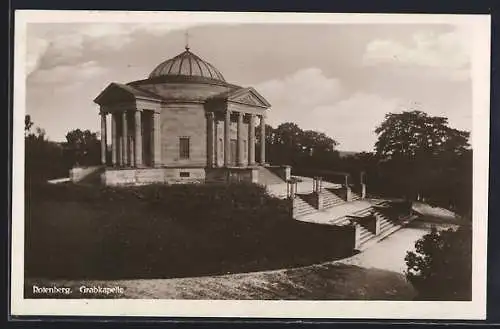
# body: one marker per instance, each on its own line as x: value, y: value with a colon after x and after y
x: 355, y: 196
x: 387, y: 225
x: 369, y: 231
x: 301, y: 207
x: 330, y: 199
x: 365, y: 235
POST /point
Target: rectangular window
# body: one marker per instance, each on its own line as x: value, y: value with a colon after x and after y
x: 184, y: 147
x: 184, y: 173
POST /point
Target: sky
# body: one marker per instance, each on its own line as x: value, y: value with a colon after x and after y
x: 340, y: 79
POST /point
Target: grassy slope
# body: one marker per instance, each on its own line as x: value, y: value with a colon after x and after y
x: 166, y: 232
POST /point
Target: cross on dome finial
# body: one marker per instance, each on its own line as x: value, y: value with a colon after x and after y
x: 186, y: 35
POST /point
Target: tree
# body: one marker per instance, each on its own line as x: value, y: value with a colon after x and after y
x: 27, y: 124
x: 413, y: 133
x: 289, y: 144
x: 43, y: 158
x: 84, y: 147
x: 441, y: 266
x: 418, y: 151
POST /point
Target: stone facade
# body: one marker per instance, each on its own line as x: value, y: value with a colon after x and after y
x: 184, y: 118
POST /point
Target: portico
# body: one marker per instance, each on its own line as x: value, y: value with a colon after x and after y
x: 135, y: 136
x: 231, y: 147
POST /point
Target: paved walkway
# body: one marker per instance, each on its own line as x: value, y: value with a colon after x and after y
x: 388, y: 254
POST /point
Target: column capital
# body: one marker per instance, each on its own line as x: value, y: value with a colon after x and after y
x: 210, y: 114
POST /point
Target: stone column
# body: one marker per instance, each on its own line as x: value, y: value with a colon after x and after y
x: 227, y: 138
x: 114, y: 139
x: 210, y: 139
x: 138, y: 139
x: 125, y: 138
x: 156, y: 139
x: 103, y: 138
x: 262, y: 140
x: 251, y: 141
x: 240, y: 139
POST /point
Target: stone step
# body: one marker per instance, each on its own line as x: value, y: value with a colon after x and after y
x: 332, y: 202
x: 365, y: 236
x: 385, y: 228
x: 301, y: 207
x: 304, y: 211
x: 376, y: 238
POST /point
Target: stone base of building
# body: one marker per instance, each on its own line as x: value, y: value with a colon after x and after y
x: 177, y: 175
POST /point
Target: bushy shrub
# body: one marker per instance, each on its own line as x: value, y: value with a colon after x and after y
x: 441, y: 267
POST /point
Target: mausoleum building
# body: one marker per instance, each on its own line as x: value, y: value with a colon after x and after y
x: 185, y: 122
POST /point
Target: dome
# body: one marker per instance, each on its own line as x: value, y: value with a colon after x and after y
x: 189, y: 65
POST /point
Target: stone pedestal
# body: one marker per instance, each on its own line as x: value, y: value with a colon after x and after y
x: 287, y: 170
x: 348, y: 194
x: 357, y: 235
x: 255, y: 175
x: 319, y: 200
x: 373, y: 224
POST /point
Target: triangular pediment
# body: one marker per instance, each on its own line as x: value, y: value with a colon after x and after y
x: 118, y: 93
x: 248, y: 96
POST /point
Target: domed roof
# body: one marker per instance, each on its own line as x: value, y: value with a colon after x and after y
x: 187, y: 64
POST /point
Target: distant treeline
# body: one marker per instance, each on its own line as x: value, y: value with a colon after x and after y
x: 416, y: 155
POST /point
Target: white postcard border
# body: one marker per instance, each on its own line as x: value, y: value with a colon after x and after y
x: 476, y: 309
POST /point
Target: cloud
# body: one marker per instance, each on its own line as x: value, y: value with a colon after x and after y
x: 299, y: 93
x: 67, y: 74
x: 352, y: 120
x: 36, y: 48
x: 62, y: 47
x: 314, y: 101
x: 445, y: 54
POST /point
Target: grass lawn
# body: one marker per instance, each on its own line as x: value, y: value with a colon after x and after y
x: 328, y: 281
x: 92, y: 233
